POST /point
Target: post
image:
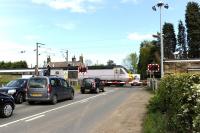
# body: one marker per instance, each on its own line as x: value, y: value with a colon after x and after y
x: 161, y: 43
x: 36, y: 66
x: 67, y: 56
x: 160, y: 5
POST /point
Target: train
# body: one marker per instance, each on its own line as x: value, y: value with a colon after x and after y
x: 110, y: 75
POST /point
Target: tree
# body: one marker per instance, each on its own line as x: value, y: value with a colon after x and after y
x: 10, y: 65
x: 169, y: 40
x: 149, y: 54
x: 131, y: 62
x: 88, y: 62
x: 182, y: 48
x: 192, y: 20
x: 110, y: 63
x: 48, y: 59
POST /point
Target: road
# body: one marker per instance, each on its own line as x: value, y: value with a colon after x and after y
x: 80, y: 115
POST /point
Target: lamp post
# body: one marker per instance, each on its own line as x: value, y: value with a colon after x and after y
x: 36, y: 67
x: 160, y: 5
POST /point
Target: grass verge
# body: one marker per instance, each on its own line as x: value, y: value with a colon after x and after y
x: 6, y: 78
x: 155, y: 123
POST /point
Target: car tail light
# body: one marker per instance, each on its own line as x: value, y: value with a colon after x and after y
x: 49, y: 89
x: 94, y: 84
x: 26, y: 89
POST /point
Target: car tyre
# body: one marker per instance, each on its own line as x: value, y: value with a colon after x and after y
x: 82, y: 91
x: 19, y: 98
x: 72, y: 96
x: 31, y: 102
x: 54, y: 100
x: 6, y: 110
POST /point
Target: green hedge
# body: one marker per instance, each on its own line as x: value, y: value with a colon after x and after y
x: 178, y: 99
x: 6, y: 78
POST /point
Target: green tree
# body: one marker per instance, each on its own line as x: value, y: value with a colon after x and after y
x: 169, y: 40
x: 10, y: 65
x: 88, y: 62
x: 192, y: 20
x: 182, y: 40
x: 131, y: 62
x: 110, y: 63
x: 48, y: 59
x: 149, y: 54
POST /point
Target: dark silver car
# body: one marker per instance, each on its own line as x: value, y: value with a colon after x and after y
x: 48, y: 89
x: 92, y: 84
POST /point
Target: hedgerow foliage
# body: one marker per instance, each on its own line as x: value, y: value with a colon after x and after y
x: 178, y: 98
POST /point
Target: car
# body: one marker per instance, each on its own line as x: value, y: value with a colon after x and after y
x: 7, y: 105
x: 136, y: 83
x: 48, y: 89
x: 16, y: 88
x: 92, y: 84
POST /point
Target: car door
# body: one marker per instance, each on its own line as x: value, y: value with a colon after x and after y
x: 97, y: 81
x: 66, y: 88
x: 57, y: 88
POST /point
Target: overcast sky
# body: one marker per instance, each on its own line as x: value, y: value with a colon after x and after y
x: 97, y: 29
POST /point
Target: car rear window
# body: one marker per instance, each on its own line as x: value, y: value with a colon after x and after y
x: 38, y: 83
x: 88, y: 80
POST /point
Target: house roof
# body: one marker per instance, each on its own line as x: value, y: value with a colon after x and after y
x: 64, y: 64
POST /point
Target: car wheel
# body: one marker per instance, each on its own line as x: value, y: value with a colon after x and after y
x: 31, y: 102
x: 82, y: 91
x: 72, y: 96
x: 54, y: 99
x: 19, y: 98
x: 6, y: 110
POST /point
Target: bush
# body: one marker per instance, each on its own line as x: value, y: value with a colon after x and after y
x: 6, y: 78
x: 178, y: 97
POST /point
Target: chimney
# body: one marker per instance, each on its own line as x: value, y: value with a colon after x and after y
x: 81, y: 58
x: 74, y: 59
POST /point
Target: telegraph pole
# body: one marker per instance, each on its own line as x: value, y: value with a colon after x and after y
x: 67, y: 56
x: 36, y: 66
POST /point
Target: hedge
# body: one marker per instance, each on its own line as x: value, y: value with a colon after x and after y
x: 178, y: 99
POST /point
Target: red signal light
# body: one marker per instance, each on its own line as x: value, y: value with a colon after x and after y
x: 153, y: 67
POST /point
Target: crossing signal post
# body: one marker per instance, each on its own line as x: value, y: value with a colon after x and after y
x: 152, y: 68
x: 82, y: 69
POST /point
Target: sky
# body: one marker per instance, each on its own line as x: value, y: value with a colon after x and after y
x: 100, y: 30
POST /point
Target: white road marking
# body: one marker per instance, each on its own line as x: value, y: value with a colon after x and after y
x: 35, y: 118
x: 84, y: 101
x: 51, y: 110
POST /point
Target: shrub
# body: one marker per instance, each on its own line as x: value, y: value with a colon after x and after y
x: 178, y: 97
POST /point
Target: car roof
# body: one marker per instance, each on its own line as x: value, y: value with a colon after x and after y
x: 47, y: 77
x: 91, y: 78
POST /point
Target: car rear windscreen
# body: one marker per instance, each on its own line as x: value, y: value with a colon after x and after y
x: 38, y: 83
x: 88, y: 80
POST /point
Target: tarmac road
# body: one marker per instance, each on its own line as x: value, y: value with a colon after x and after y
x: 80, y: 115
